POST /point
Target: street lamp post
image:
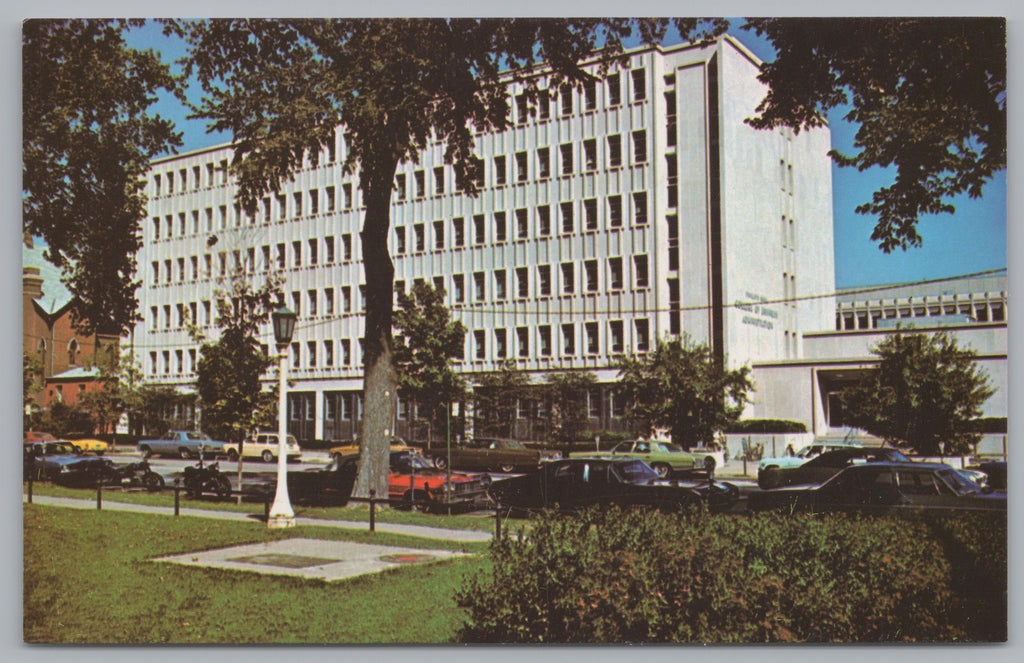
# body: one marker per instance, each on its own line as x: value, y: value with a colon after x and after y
x: 281, y: 513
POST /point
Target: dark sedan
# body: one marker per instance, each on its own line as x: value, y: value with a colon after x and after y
x: 826, y: 465
x: 44, y: 460
x: 883, y: 487
x: 86, y: 473
x: 576, y: 483
x: 495, y: 454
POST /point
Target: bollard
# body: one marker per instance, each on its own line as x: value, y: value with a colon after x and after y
x: 373, y: 504
x: 497, y: 520
x: 99, y: 496
x: 266, y: 507
x: 30, y: 489
x: 177, y: 497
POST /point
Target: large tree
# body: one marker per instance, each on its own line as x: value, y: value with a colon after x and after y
x: 282, y: 87
x: 426, y: 342
x: 566, y: 396
x: 683, y: 387
x: 497, y: 399
x: 88, y: 139
x: 924, y: 394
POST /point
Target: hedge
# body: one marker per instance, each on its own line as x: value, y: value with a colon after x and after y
x: 766, y: 426
x: 637, y: 576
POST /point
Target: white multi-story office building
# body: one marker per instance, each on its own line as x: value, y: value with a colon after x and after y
x: 639, y: 207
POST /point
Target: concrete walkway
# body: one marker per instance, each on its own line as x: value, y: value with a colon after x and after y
x: 424, y: 531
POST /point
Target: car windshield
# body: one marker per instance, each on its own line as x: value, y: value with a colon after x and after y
x: 958, y: 482
x: 509, y: 444
x: 663, y: 447
x: 194, y: 436
x: 807, y: 452
x: 54, y: 448
x: 408, y: 462
x: 634, y: 471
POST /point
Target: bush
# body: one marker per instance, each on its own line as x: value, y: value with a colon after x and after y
x: 637, y: 576
x: 766, y: 426
x: 988, y: 425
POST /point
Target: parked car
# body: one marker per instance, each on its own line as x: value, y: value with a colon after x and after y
x: 352, y: 448
x: 85, y: 472
x: 496, y: 454
x: 181, y: 444
x: 410, y: 472
x: 264, y: 447
x: 666, y: 458
x: 89, y: 444
x: 575, y: 483
x: 826, y: 465
x: 800, y: 457
x: 883, y: 487
x: 44, y: 459
x: 995, y: 473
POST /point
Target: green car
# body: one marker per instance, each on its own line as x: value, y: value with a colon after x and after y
x: 666, y: 458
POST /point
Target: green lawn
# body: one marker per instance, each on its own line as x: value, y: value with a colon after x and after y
x: 87, y: 580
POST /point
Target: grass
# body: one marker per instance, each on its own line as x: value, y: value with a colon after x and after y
x: 87, y: 579
x: 360, y: 513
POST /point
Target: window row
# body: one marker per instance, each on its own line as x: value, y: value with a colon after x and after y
x: 585, y: 100
x: 573, y: 340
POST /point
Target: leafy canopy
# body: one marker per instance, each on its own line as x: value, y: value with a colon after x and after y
x: 924, y: 394
x: 88, y: 139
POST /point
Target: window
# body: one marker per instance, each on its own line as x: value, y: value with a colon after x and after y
x: 639, y: 84
x: 590, y: 329
x: 615, y: 273
x: 207, y: 316
x: 156, y: 227
x: 478, y: 229
x: 346, y: 298
x: 297, y: 253
x: 295, y: 353
x: 399, y: 240
x: 640, y: 271
x: 329, y: 301
x: 331, y: 202
x: 643, y: 341
x: 590, y: 213
x: 500, y: 344
x: 329, y: 355
x: 155, y: 270
x: 418, y: 176
x: 458, y: 232
x: 438, y: 235
x: 170, y: 182
x: 439, y: 180
x: 195, y: 221
x: 589, y: 94
x: 590, y: 154
x: 400, y: 186
x: 566, y: 100
x: 346, y: 246
x: 181, y: 269
x: 544, y: 280
x: 329, y: 249
x: 311, y: 298
x: 314, y: 253
x: 522, y: 167
x: 479, y: 287
x: 614, y: 151
x: 346, y: 352
x: 500, y: 173
x: 522, y: 109
x: 501, y: 234
x: 544, y: 220
x: 544, y: 340
x: 459, y: 287
x: 522, y: 223
x: 614, y: 90
x: 311, y: 353
x: 568, y: 339
x: 195, y: 262
x: 297, y: 203
x: 640, y: 208
x: 480, y: 343
x: 500, y: 284
x: 222, y: 262
x: 568, y: 278
x: 523, y: 341
x: 615, y: 211
x: 156, y: 183
x: 314, y: 201
x: 544, y: 163
x: 346, y: 192
x: 590, y: 270
x: 297, y: 302
x: 640, y: 146
x: 566, y: 152
x: 282, y: 207
x: 167, y: 316
x: 543, y: 105
x: 616, y: 342
x: 522, y: 282
x: 280, y: 255
x: 567, y: 220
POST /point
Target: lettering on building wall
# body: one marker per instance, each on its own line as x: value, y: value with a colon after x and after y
x: 760, y: 314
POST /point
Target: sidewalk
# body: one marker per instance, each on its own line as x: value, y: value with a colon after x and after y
x: 424, y: 531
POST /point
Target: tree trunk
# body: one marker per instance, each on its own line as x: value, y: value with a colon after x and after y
x: 380, y: 380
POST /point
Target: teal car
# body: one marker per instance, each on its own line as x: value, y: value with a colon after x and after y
x: 666, y: 458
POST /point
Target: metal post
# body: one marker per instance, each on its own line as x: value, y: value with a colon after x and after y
x: 448, y: 464
x: 497, y: 519
x: 281, y: 513
x: 373, y: 510
x: 177, y: 497
x: 99, y: 496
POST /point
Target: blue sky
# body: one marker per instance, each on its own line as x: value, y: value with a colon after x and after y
x: 973, y: 239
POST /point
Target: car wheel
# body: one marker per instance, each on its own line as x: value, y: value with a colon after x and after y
x: 709, y: 463
x: 146, y: 452
x: 267, y: 456
x: 183, y: 453
x: 507, y: 468
x: 440, y: 462
x: 663, y: 469
x: 232, y: 455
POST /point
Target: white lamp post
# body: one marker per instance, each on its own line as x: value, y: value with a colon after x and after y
x: 281, y: 513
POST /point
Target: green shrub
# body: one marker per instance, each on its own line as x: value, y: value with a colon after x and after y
x: 988, y: 425
x: 766, y: 426
x: 637, y: 576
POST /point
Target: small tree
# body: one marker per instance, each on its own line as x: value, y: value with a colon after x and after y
x: 566, y: 394
x: 924, y: 394
x: 497, y: 399
x: 426, y: 341
x: 685, y: 388
x: 32, y: 385
x: 230, y: 369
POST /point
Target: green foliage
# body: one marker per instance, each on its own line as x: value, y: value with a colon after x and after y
x: 566, y: 396
x: 426, y: 342
x: 924, y: 394
x: 988, y: 425
x: 928, y: 93
x: 62, y: 419
x: 496, y: 400
x: 683, y: 387
x: 230, y: 370
x: 765, y: 426
x: 637, y: 576
x: 87, y: 143
x: 31, y: 384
